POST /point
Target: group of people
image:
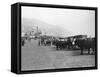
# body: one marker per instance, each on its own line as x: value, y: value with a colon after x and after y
x: 66, y: 43
x: 70, y: 43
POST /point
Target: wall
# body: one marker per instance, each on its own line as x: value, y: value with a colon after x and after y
x: 5, y: 36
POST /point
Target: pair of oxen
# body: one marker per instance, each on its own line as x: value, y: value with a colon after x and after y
x: 87, y: 44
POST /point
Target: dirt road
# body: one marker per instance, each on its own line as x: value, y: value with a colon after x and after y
x: 36, y: 57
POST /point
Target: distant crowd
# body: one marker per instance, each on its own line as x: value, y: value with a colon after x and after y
x: 81, y: 42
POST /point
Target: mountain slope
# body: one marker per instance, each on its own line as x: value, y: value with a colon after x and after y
x: 45, y: 28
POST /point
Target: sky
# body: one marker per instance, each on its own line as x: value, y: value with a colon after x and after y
x: 77, y: 21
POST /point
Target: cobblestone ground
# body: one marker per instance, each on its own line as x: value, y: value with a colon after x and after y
x: 36, y: 57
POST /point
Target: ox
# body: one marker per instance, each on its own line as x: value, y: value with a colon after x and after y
x: 86, y: 44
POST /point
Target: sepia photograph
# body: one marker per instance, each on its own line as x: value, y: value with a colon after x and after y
x: 55, y: 38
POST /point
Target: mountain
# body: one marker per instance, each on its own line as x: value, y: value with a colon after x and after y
x: 45, y: 28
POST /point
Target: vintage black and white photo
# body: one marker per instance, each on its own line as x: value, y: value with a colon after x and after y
x: 54, y: 38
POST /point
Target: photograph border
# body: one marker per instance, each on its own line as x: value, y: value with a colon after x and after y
x: 17, y: 59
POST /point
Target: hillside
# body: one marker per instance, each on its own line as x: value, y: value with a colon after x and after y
x: 45, y: 28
